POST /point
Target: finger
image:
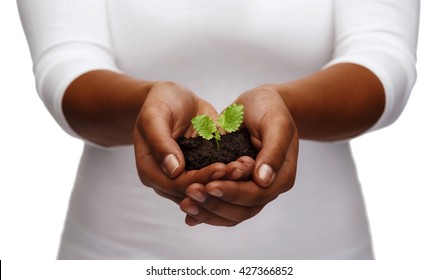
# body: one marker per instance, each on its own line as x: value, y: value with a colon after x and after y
x: 275, y: 138
x: 152, y: 175
x: 243, y: 193
x: 218, y: 207
x: 211, y: 210
x: 241, y: 169
x: 197, y: 215
x: 209, y: 173
x: 197, y: 192
x: 210, y: 220
x: 248, y: 193
x: 246, y: 160
x: 249, y: 165
x: 271, y: 128
x: 191, y: 221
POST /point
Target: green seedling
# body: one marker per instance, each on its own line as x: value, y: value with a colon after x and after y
x: 230, y: 121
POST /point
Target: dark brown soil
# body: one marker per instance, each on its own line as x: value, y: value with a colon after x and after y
x: 199, y: 152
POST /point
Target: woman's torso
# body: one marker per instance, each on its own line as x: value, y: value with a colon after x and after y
x: 219, y: 49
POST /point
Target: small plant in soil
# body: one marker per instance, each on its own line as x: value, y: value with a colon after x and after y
x: 211, y: 146
x: 230, y: 121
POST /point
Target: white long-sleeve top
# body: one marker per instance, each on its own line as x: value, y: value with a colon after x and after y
x: 219, y: 49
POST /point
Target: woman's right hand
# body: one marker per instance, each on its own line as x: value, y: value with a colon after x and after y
x: 164, y: 117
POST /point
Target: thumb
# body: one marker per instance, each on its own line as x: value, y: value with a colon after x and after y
x: 275, y: 143
x: 154, y: 126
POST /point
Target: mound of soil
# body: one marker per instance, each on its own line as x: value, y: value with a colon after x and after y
x: 199, y: 152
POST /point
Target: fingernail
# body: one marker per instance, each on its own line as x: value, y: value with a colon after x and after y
x: 198, y: 196
x: 248, y: 164
x: 171, y: 163
x: 237, y: 174
x: 193, y: 223
x: 216, y: 192
x: 265, y: 173
x: 192, y: 210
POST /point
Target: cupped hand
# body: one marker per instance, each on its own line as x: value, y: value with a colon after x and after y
x: 165, y: 116
x: 228, y: 202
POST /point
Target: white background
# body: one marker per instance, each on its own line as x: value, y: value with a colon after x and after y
x: 38, y: 163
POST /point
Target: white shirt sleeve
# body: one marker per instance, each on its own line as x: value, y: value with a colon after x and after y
x: 380, y: 35
x: 66, y: 39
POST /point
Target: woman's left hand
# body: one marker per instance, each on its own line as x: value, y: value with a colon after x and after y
x: 229, y: 201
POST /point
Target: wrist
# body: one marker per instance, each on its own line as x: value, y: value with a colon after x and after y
x: 102, y: 106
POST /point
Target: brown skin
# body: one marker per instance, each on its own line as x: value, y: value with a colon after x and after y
x: 333, y: 104
x: 102, y: 106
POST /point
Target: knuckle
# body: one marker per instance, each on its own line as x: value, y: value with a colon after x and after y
x: 149, y: 113
x: 275, y: 151
x: 158, y: 143
x: 144, y: 177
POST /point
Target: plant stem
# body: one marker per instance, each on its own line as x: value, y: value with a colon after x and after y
x: 217, y: 138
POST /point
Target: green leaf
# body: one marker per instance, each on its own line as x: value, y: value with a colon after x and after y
x: 204, y: 126
x: 232, y: 118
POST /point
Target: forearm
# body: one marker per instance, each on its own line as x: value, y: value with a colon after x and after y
x: 102, y: 106
x: 336, y: 103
